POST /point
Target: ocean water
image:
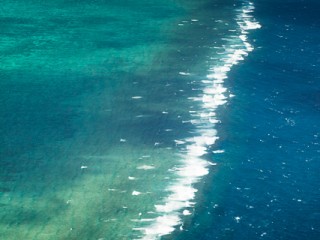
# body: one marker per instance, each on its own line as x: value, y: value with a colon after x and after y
x: 159, y: 119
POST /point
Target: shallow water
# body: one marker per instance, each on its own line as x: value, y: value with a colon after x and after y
x: 95, y: 104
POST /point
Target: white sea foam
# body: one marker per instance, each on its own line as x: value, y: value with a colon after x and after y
x: 163, y: 225
x: 218, y: 151
x: 184, y: 73
x: 196, y: 150
x: 186, y: 212
x: 143, y: 220
x: 136, y: 97
x: 145, y: 167
x: 179, y: 142
x: 136, y: 193
x: 193, y: 164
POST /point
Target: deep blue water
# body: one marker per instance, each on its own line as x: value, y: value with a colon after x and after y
x: 96, y: 100
x: 270, y: 135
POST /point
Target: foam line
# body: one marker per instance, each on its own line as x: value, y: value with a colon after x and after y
x: 193, y: 164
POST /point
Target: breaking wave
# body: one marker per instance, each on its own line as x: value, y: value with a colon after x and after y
x: 193, y: 165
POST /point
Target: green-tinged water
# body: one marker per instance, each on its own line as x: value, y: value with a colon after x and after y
x: 86, y: 37
x: 64, y: 164
x: 91, y: 105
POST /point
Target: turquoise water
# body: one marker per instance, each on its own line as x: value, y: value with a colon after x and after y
x: 94, y: 106
x: 154, y: 119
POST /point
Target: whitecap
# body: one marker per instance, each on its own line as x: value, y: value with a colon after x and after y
x: 145, y: 167
x: 194, y: 150
x: 135, y: 193
x: 218, y: 151
x: 179, y: 142
x: 184, y: 73
x: 186, y: 212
